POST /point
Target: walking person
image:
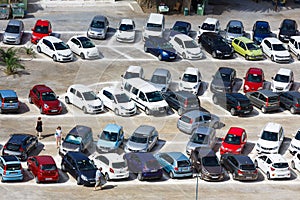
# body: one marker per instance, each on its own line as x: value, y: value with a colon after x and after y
x: 98, y: 178
x: 39, y: 127
x: 58, y: 136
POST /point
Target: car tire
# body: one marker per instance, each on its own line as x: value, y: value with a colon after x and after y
x: 2, y: 180
x: 117, y: 112
x: 214, y: 54
x: 255, y: 163
x: 1, y: 111
x: 232, y: 111
x: 140, y: 176
x: 183, y: 55
x: 107, y: 177
x: 289, y: 48
x: 246, y: 57
x: 145, y: 49
x: 180, y: 111
x: 147, y: 111
x: 38, y: 49
x: 36, y: 144
x: 78, y: 180
x: 263, y: 109
x: 30, y: 100
x: 293, y: 165
x: 36, y: 179
x: 268, y: 176
x: 171, y: 174
x: 67, y: 100
x: 292, y: 110
x: 234, y: 176
x: 25, y: 156
x: 160, y: 57
x: 298, y: 56
x: 54, y: 58
x: 215, y: 100
x: 82, y: 56
x: 63, y: 167
x: 41, y: 110
x: 216, y: 125
x: 84, y: 110
x: 272, y: 58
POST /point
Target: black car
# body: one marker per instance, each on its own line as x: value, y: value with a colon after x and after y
x: 291, y: 101
x: 287, y: 29
x: 241, y: 167
x: 80, y: 167
x: 235, y: 103
x: 216, y: 45
x: 223, y: 80
x: 181, y: 27
x: 160, y: 47
x: 182, y: 101
x: 20, y: 145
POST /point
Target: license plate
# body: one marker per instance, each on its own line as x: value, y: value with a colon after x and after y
x: 153, y: 170
x: 53, y: 110
x: 13, y: 172
x: 215, y: 177
x: 248, y: 177
x: 247, y: 111
x: 172, y: 57
x: 48, y: 179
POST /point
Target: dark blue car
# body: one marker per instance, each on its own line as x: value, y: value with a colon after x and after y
x: 181, y: 27
x: 160, y: 47
x: 287, y: 29
x: 261, y: 30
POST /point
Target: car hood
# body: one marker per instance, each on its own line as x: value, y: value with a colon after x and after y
x: 96, y: 102
x: 287, y: 32
x: 282, y: 53
x: 233, y: 35
x: 256, y: 52
x: 224, y: 48
x: 90, y: 174
x: 105, y: 143
x: 213, y: 169
x: 12, y: 35
x: 98, y: 30
x: 253, y: 85
x: 65, y: 52
x: 70, y: 147
x: 191, y: 145
x: 280, y: 84
x: 136, y: 146
x: 261, y: 36
x: 152, y: 33
x: 125, y: 34
x: 129, y: 105
x: 53, y: 104
x: 267, y: 144
x: 194, y: 51
x: 40, y: 35
x: 232, y: 147
x: 92, y: 51
x: 160, y: 87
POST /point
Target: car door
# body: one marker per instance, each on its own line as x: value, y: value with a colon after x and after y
x: 262, y: 164
x: 267, y: 48
x: 73, y: 168
x: 173, y: 101
x: 49, y: 48
x: 108, y: 99
x: 103, y: 162
x: 141, y: 100
x: 1, y: 167
x: 243, y: 140
x: 178, y: 45
x: 35, y: 96
x: 292, y: 45
x: 120, y: 138
x: 163, y: 160
x: 285, y: 100
x: 205, y: 43
x: 232, y: 164
x: 254, y: 98
x: 75, y: 46
x: 78, y: 100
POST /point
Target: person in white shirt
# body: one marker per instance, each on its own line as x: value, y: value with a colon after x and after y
x: 58, y: 136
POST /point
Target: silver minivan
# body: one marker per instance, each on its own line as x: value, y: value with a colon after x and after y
x: 98, y: 27
x: 14, y: 32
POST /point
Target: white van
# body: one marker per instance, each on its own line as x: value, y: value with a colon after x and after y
x: 155, y: 26
x: 146, y: 96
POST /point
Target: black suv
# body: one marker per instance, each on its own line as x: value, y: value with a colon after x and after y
x: 223, y: 80
x: 287, y: 29
x: 80, y: 167
x: 20, y: 145
x: 182, y: 101
x: 291, y: 101
x: 235, y: 103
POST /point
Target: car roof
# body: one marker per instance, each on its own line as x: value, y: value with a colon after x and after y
x: 81, y: 88
x: 126, y: 21
x: 297, y: 38
x: 143, y: 156
x: 142, y: 85
x: 155, y: 18
x: 288, y: 21
x: 210, y: 20
x: 17, y: 137
x: 271, y: 126
x: 8, y: 93
x: 242, y: 159
x: 205, y: 152
x: 177, y: 155
x: 204, y: 130
x: 80, y: 130
x: 161, y: 72
x: 113, y: 90
x: 212, y: 35
x: 191, y: 70
x: 262, y: 23
x: 99, y: 18
x: 42, y: 22
x: 134, y: 68
x: 112, y: 128
x: 244, y: 39
x: 45, y: 159
x: 238, y: 96
x: 183, y: 37
x: 182, y: 23
x: 144, y: 129
x: 235, y: 23
x: 273, y: 40
x: 77, y: 155
x: 255, y: 70
x: 15, y: 22
x: 185, y: 94
x: 267, y: 92
x: 195, y: 113
x: 52, y: 39
x: 276, y: 158
x: 43, y: 88
x: 225, y: 70
x: 293, y: 93
x: 157, y: 39
x: 284, y: 71
x: 10, y: 158
x: 236, y: 131
x: 113, y: 157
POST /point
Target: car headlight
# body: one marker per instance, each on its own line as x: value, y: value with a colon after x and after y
x: 287, y: 87
x: 46, y: 106
x: 188, y: 52
x: 195, y: 87
x: 59, y: 105
x: 180, y: 84
x: 90, y: 106
x: 281, y: 35
x: 163, y: 89
x: 59, y: 54
x: 218, y: 52
x: 83, y: 177
x: 258, y: 145
x: 164, y: 53
x: 239, y: 149
x: 204, y: 171
x: 275, y: 148
x: 258, y: 39
x: 247, y: 87
x: 122, y: 107
x: 260, y: 88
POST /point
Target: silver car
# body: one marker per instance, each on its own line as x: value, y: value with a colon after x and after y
x: 161, y: 79
x: 98, y: 27
x: 14, y: 32
x: 234, y: 29
x: 143, y: 139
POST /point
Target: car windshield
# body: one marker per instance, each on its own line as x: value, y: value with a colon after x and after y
x: 97, y: 24
x: 139, y: 138
x: 281, y: 78
x: 263, y: 30
x: 41, y: 29
x: 152, y: 164
x: 12, y: 167
x: 210, y: 161
x: 86, y: 42
x: 297, y: 136
x: 220, y: 42
x: 189, y: 78
x: 122, y: 98
x: 73, y: 139
x: 199, y: 139
x: 85, y: 165
x: 118, y: 165
x: 159, y: 79
x: 154, y: 96
x: 166, y: 45
x: 180, y: 29
x: 185, y: 119
x: 224, y: 77
x: 126, y: 27
x: 10, y: 100
x: 278, y: 47
x: 281, y: 165
x: 129, y: 75
x: 154, y: 27
x: 12, y: 29
x: 109, y: 136
x: 189, y: 44
x: 248, y: 167
x: 289, y: 26
x: 255, y: 78
x: 89, y: 96
x: 60, y: 46
x: 48, y: 96
x: 208, y: 27
x: 183, y: 163
x: 235, y: 30
x: 252, y: 46
x: 48, y: 167
x: 273, y: 99
x: 13, y: 147
x: 232, y: 139
x: 271, y: 136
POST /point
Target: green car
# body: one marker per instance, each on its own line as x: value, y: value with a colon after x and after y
x: 247, y: 48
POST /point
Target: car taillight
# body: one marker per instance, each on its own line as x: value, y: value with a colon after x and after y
x: 297, y: 105
x: 238, y: 108
x: 2, y: 104
x: 272, y: 169
x: 4, y: 171
x: 4, y: 147
x: 111, y: 170
x: 255, y: 172
x: 267, y: 102
x: 176, y: 168
x: 240, y: 172
x: 191, y: 121
x: 21, y: 149
x: 185, y: 103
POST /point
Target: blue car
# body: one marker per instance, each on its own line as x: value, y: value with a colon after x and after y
x: 111, y: 138
x: 9, y: 101
x: 261, y: 30
x: 160, y: 47
x: 176, y: 164
x: 10, y: 168
x: 181, y: 27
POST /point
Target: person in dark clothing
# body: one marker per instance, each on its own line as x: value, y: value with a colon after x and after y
x: 39, y: 127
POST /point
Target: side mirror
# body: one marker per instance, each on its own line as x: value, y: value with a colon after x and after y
x: 62, y: 139
x: 199, y: 26
x: 244, y: 77
x: 179, y: 78
x: 222, y: 139
x: 57, y: 97
x: 32, y: 29
x: 122, y: 75
x: 272, y: 78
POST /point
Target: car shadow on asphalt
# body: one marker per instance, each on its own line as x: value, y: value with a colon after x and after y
x: 238, y: 84
x: 285, y: 145
x: 203, y: 87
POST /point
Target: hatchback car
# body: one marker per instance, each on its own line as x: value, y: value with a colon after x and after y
x: 260, y: 31
x: 45, y: 99
x: 254, y: 80
x: 234, y: 141
x: 161, y: 79
x: 290, y: 100
x: 126, y: 31
x: 190, y: 80
x: 43, y: 168
x: 14, y: 32
x: 143, y: 139
x: 246, y: 47
x: 181, y: 27
x: 223, y: 80
x: 273, y: 165
x: 9, y: 101
x: 283, y: 80
x: 209, y: 25
x: 176, y: 164
x: 111, y: 138
x: 275, y: 49
x: 10, y: 168
x: 98, y: 27
x: 41, y: 29
x: 294, y: 46
x: 55, y: 49
x: 114, y: 166
x: 83, y: 47
x: 80, y: 167
x: 20, y: 145
x: 288, y: 28
x: 160, y: 47
x: 234, y: 29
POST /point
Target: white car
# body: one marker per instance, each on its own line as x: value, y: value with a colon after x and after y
x: 273, y: 165
x: 126, y: 31
x: 270, y: 138
x: 84, y: 47
x: 117, y: 101
x: 295, y: 143
x: 55, y: 48
x: 209, y: 25
x: 113, y: 165
x: 161, y: 79
x: 283, y: 80
x: 155, y: 26
x: 132, y: 72
x: 294, y: 46
x: 275, y: 49
x: 190, y: 80
x: 84, y: 98
x: 295, y: 164
x: 186, y: 46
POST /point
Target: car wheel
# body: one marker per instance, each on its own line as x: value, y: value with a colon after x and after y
x: 78, y: 180
x: 292, y: 110
x: 233, y: 176
x: 183, y: 55
x: 67, y: 100
x: 293, y: 165
x: 1, y: 111
x: 107, y: 177
x: 82, y: 56
x: 268, y: 176
x: 289, y: 48
x: 298, y: 56
x: 36, y: 179
x: 117, y: 112
x: 246, y: 57
x: 232, y: 112
x: 180, y: 111
x: 145, y: 49
x: 84, y: 110
x: 30, y: 99
x: 160, y: 57
x: 36, y: 144
x: 63, y: 168
x: 272, y: 58
x: 54, y: 58
x: 171, y: 174
x: 2, y: 180
x: 215, y: 100
x: 25, y: 156
x: 214, y: 54
x: 41, y: 110
x: 38, y: 49
x: 140, y: 176
x: 216, y: 125
x: 255, y: 163
x: 147, y: 111
x: 263, y: 109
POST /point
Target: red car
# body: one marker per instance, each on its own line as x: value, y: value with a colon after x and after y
x: 45, y: 99
x: 234, y: 141
x: 43, y: 168
x: 254, y: 80
x: 41, y: 29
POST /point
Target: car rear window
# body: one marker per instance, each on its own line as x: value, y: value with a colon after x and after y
x: 244, y: 103
x: 247, y: 167
x: 152, y: 164
x: 185, y: 119
x: 48, y: 167
x: 11, y: 100
x: 273, y: 99
x: 281, y: 165
x: 13, y: 167
x: 183, y: 163
x: 13, y: 147
x: 119, y: 165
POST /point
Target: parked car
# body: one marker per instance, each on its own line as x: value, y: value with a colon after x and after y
x: 186, y: 47
x: 117, y: 101
x: 9, y: 101
x: 234, y: 141
x: 55, y: 49
x: 132, y: 72
x: 114, y: 166
x: 45, y: 99
x: 111, y: 138
x: 84, y: 98
x: 181, y: 27
x: 80, y: 167
x: 270, y: 138
x: 10, y: 168
x: 216, y: 45
x: 41, y: 29
x: 98, y: 27
x: 264, y: 99
x: 273, y: 165
x: 290, y: 100
x: 204, y: 137
x: 295, y: 164
x: 294, y: 46
x: 143, y: 139
x: 182, y: 101
x: 205, y: 162
x: 283, y: 80
x: 247, y: 48
x: 223, y: 80
x: 20, y: 145
x: 160, y: 48
x: 190, y: 80
x: 155, y: 26
x: 43, y: 168
x: 84, y: 47
x: 209, y: 25
x: 235, y: 103
x: 260, y: 31
x: 241, y: 167
x: 144, y: 165
x: 234, y: 29
x: 161, y: 79
x: 126, y: 31
x: 176, y: 164
x: 275, y: 49
x: 14, y: 31
x: 295, y: 143
x: 254, y: 80
x: 288, y: 28
x: 190, y: 120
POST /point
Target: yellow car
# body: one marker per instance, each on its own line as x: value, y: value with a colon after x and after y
x: 247, y: 48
